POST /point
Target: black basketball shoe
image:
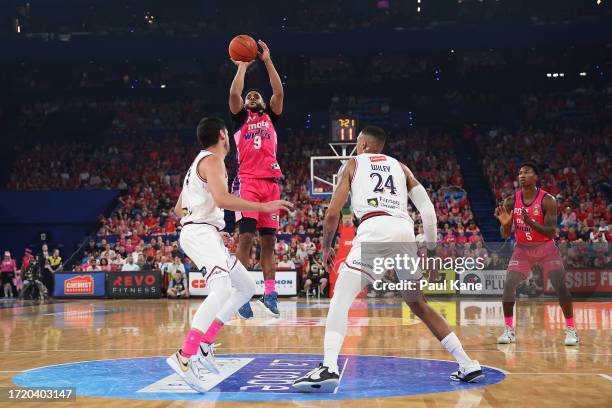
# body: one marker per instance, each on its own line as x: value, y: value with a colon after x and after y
x: 321, y: 379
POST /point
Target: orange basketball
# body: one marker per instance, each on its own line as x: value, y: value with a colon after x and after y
x: 243, y: 48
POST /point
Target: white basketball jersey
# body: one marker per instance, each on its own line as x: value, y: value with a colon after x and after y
x: 197, y: 202
x: 379, y: 185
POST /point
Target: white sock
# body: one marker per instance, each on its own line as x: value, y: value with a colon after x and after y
x: 220, y: 289
x: 453, y: 345
x: 347, y: 287
x: 243, y: 290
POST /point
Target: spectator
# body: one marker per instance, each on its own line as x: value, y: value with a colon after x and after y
x: 55, y: 261
x: 129, y: 265
x: 104, y: 265
x: 178, y: 287
x: 286, y: 263
x: 8, y: 270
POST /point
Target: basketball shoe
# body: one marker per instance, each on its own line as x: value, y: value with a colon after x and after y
x: 571, y: 337
x: 470, y: 373
x: 507, y: 337
x: 245, y: 312
x: 206, y: 355
x: 270, y: 305
x: 321, y: 379
x: 188, y: 369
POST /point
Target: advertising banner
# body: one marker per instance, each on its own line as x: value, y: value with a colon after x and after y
x: 584, y: 281
x: 286, y: 283
x: 86, y: 284
x: 134, y: 285
x: 492, y: 282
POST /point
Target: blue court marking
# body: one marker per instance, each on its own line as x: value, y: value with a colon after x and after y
x: 268, y: 377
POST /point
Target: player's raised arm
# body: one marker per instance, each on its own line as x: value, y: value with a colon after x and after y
x: 276, y: 102
x: 235, y: 96
x: 418, y: 195
x: 212, y: 169
x: 550, y: 217
x: 332, y: 215
x: 504, y: 215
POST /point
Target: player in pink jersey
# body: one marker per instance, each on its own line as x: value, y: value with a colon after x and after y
x: 258, y: 171
x: 533, y: 213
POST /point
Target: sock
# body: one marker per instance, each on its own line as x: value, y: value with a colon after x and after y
x: 269, y: 286
x: 453, y: 345
x: 569, y: 321
x: 509, y: 320
x: 212, y: 331
x: 191, y: 343
x: 220, y: 289
x: 332, y: 345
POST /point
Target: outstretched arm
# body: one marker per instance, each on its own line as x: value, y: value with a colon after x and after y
x: 212, y: 169
x: 276, y: 102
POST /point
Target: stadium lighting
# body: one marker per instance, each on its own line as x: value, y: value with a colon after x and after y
x: 418, y: 9
x: 583, y: 74
x: 162, y: 86
x: 555, y: 75
x: 549, y: 75
x: 561, y: 74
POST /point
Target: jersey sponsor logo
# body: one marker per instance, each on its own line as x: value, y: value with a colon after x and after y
x: 374, y: 159
x: 274, y: 216
x: 373, y: 202
x: 536, y: 210
x: 258, y: 125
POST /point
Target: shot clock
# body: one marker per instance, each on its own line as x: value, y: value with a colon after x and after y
x: 343, y: 129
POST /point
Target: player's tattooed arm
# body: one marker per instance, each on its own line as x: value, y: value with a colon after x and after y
x: 504, y: 215
x: 550, y: 217
x: 276, y: 102
x: 332, y: 215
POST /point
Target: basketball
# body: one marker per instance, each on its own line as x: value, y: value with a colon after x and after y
x: 243, y: 48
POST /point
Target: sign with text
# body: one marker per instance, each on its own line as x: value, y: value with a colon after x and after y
x: 138, y: 284
x: 286, y: 283
x: 86, y: 284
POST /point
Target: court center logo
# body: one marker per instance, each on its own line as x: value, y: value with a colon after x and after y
x: 253, y: 377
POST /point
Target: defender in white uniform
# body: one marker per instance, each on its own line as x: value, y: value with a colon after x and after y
x: 204, y: 193
x: 380, y: 187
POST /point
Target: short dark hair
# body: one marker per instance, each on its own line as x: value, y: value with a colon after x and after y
x: 208, y: 131
x: 376, y: 132
x: 259, y: 91
x: 532, y: 166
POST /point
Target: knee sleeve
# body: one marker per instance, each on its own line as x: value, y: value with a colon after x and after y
x: 242, y: 280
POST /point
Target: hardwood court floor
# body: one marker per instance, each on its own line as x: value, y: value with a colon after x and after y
x: 541, y: 372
